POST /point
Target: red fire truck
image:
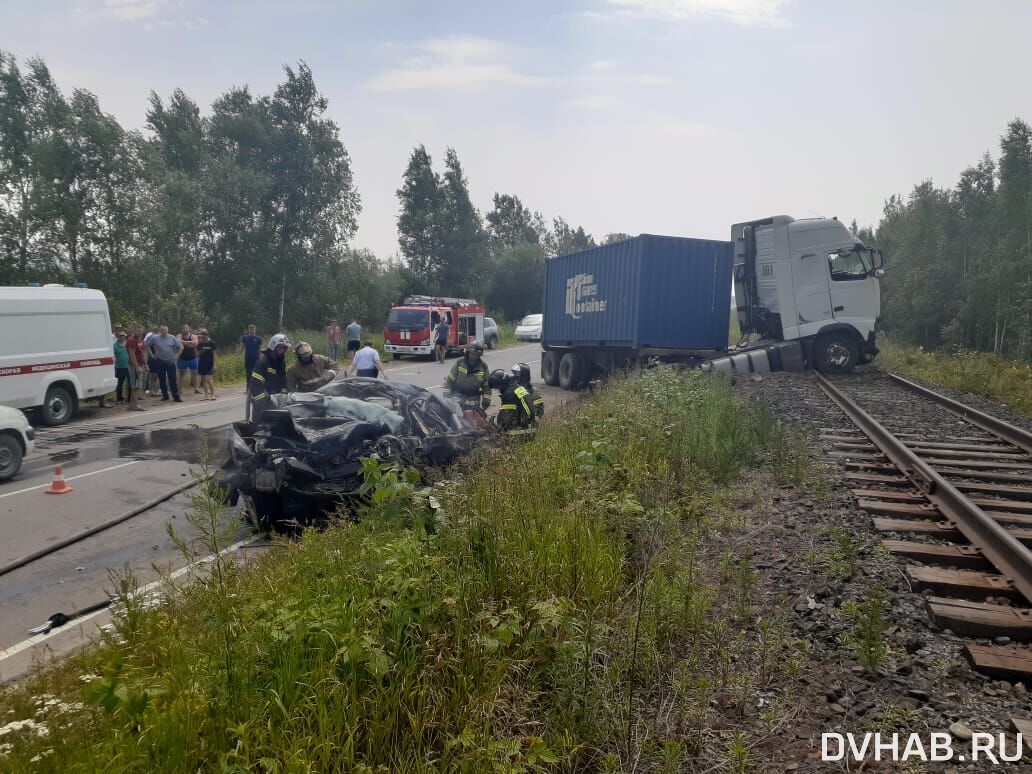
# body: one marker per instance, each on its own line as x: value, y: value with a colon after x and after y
x: 410, y: 326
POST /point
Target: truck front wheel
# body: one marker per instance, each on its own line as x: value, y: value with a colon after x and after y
x: 550, y: 368
x: 836, y: 353
x: 571, y: 371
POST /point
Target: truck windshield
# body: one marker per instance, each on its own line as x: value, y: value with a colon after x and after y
x: 408, y: 319
x: 849, y: 265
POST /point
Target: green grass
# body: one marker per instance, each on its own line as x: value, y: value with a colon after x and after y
x: 560, y: 604
x: 980, y: 373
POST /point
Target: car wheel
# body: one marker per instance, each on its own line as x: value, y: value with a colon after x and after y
x: 836, y: 353
x: 10, y: 456
x: 550, y: 368
x: 571, y: 371
x: 58, y: 406
x: 492, y: 342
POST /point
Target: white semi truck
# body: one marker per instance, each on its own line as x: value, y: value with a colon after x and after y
x: 807, y: 295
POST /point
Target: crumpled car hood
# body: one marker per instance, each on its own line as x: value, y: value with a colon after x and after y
x: 309, y: 450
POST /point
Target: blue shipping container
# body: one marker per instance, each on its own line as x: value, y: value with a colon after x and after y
x: 648, y: 292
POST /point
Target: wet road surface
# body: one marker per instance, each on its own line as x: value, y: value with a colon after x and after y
x: 116, y: 461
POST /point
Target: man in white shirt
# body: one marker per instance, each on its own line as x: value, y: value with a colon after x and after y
x: 367, y: 362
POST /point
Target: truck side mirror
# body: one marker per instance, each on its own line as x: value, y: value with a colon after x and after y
x: 879, y: 272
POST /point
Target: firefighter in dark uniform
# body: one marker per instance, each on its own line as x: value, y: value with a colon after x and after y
x: 517, y: 409
x: 467, y: 382
x: 311, y: 371
x: 269, y: 376
x: 522, y: 373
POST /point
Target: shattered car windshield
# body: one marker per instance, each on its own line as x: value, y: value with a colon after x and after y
x: 407, y: 319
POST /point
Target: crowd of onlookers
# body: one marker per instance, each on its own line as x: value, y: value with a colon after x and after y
x: 156, y: 361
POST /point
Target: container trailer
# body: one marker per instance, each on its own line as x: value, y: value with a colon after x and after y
x: 807, y: 295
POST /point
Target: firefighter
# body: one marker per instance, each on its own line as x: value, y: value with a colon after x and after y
x: 467, y: 382
x: 522, y: 373
x: 517, y: 411
x: 269, y: 376
x: 311, y: 371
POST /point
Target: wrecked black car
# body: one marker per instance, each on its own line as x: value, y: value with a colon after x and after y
x: 303, y: 459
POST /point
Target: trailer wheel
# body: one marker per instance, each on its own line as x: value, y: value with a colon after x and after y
x: 836, y: 353
x: 550, y: 368
x: 571, y: 371
x: 58, y: 406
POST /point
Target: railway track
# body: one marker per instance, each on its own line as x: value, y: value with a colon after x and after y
x: 951, y: 489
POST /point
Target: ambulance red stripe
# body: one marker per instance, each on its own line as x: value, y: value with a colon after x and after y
x: 60, y: 365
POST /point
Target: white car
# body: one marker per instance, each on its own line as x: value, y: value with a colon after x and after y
x: 529, y: 328
x: 16, y: 437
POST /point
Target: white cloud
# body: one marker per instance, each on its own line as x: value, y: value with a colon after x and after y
x: 465, y: 48
x: 769, y: 13
x: 674, y: 126
x: 648, y: 79
x: 595, y: 102
x: 132, y: 10
x: 453, y: 77
x: 456, y: 63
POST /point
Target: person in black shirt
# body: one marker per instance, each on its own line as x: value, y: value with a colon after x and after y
x: 206, y: 363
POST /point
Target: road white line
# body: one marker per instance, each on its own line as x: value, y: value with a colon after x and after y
x: 72, y: 478
x: 24, y: 644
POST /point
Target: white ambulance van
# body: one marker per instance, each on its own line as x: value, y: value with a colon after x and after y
x: 55, y: 349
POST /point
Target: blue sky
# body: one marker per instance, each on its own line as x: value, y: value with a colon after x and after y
x: 658, y: 116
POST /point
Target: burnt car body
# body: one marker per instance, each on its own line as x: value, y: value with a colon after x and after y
x: 304, y: 458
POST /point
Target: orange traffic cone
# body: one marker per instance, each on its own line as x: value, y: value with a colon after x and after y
x: 57, y: 484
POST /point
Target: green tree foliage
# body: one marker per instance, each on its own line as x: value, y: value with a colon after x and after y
x: 960, y: 259
x: 564, y: 239
x: 242, y: 216
x: 463, y: 259
x: 511, y: 224
x: 418, y: 228
x: 440, y: 232
x: 518, y: 285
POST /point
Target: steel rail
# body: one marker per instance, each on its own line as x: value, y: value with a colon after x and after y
x: 1008, y: 432
x: 1010, y: 557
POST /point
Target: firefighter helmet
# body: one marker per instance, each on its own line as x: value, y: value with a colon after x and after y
x: 279, y: 340
x: 475, y: 346
x: 498, y: 380
x: 303, y: 350
x: 522, y: 373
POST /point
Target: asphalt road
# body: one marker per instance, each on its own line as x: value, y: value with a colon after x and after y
x: 117, y: 460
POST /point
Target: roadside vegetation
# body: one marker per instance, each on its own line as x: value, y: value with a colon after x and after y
x: 568, y: 602
x: 980, y: 373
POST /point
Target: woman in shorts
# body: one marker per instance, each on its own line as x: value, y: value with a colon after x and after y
x: 206, y: 363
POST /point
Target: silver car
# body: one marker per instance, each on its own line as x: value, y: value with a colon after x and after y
x: 490, y: 333
x: 529, y: 328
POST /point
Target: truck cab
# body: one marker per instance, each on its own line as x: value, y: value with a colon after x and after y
x: 410, y: 325
x: 810, y: 281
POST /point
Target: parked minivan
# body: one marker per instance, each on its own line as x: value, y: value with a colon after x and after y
x: 55, y: 349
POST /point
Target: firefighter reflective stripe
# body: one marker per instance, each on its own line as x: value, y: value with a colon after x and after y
x: 508, y: 407
x: 257, y: 376
x: 522, y: 395
x: 259, y: 396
